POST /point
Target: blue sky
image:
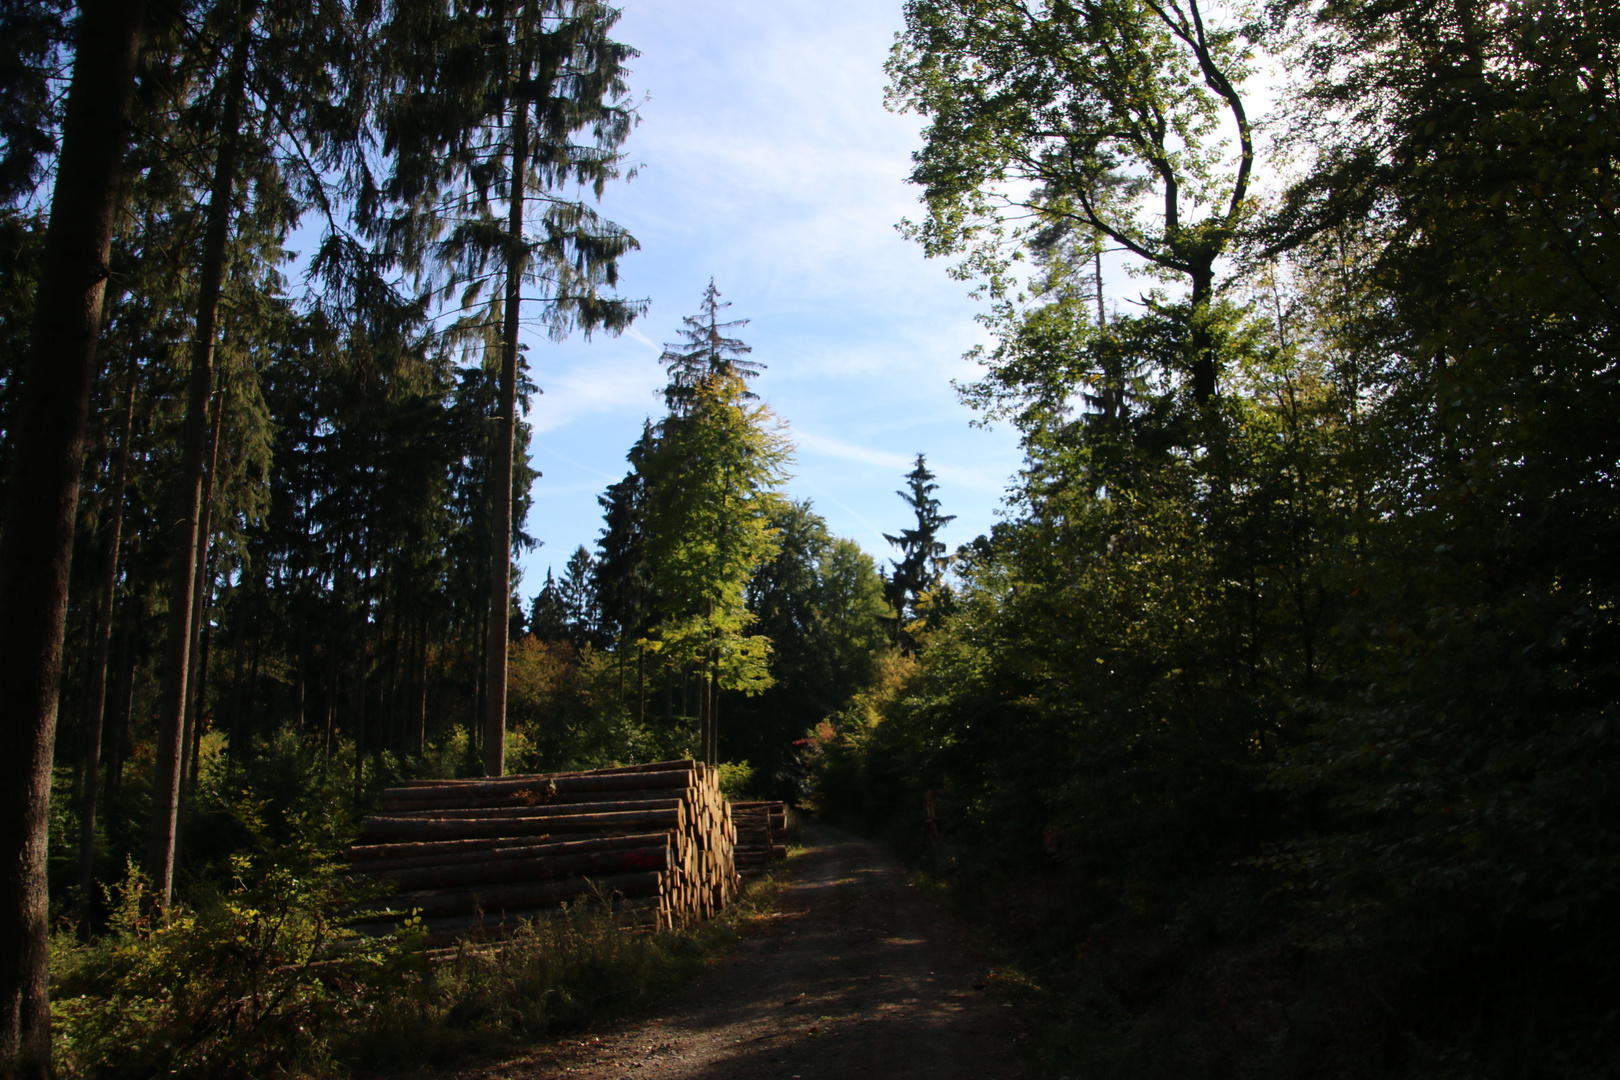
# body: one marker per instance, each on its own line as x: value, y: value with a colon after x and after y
x: 767, y: 161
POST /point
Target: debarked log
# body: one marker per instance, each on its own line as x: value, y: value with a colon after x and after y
x: 397, y: 799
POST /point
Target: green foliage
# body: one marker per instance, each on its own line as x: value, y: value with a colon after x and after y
x: 552, y: 977
x: 735, y: 779
x: 1302, y: 694
x: 820, y: 602
x: 566, y: 712
x: 712, y: 479
x: 251, y: 980
x: 1079, y: 124
x: 921, y: 567
x: 263, y: 978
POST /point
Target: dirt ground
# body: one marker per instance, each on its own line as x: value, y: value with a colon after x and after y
x: 853, y: 975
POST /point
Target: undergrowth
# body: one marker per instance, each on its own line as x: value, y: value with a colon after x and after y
x: 261, y: 979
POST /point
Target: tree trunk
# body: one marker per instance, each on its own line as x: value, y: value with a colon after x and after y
x: 176, y: 654
x: 235, y: 744
x: 197, y: 659
x: 357, y: 708
x: 122, y: 708
x: 36, y: 544
x: 1203, y: 341
x: 714, y: 717
x: 500, y: 560
x: 299, y: 678
x: 331, y: 698
x: 96, y: 710
x: 422, y: 692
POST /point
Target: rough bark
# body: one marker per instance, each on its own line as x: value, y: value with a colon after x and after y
x: 188, y: 499
x: 96, y: 706
x: 36, y: 544
x: 197, y: 656
x: 499, y: 897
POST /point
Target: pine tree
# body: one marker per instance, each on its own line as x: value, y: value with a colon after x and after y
x: 548, y: 617
x: 705, y: 351
x: 488, y: 130
x: 577, y: 595
x: 922, y: 563
x: 622, y: 576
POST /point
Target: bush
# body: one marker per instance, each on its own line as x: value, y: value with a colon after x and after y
x: 263, y: 977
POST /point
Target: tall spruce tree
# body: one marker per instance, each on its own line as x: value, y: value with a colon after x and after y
x: 921, y: 563
x: 276, y: 85
x: 705, y: 350
x: 622, y: 575
x: 492, y: 110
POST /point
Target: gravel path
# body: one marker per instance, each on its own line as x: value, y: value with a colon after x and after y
x: 853, y: 975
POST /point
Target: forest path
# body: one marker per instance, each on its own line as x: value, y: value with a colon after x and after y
x: 853, y: 974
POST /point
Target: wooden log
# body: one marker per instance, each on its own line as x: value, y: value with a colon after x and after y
x: 530, y: 868
x: 371, y: 857
x: 678, y: 765
x: 397, y: 799
x: 474, y: 828
x: 479, y: 843
x: 542, y: 786
x: 448, y: 813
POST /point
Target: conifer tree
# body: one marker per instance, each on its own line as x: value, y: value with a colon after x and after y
x: 548, y: 618
x: 480, y: 131
x: 266, y: 76
x: 705, y: 351
x: 622, y: 576
x: 577, y: 594
x: 921, y: 564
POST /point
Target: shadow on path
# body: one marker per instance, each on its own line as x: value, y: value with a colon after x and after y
x: 853, y: 974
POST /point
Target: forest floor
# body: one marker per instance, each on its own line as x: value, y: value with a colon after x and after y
x: 854, y: 972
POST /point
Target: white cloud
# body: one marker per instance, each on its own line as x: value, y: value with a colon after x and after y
x: 835, y: 448
x: 771, y: 165
x: 581, y: 392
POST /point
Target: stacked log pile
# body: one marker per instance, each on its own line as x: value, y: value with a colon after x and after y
x: 761, y: 835
x: 475, y: 858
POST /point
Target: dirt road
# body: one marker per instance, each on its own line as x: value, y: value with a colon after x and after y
x: 853, y: 975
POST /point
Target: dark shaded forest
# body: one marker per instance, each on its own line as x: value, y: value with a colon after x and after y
x: 1277, y: 722
x: 1273, y: 725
